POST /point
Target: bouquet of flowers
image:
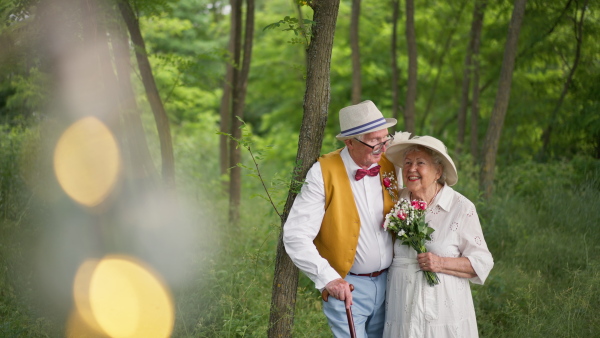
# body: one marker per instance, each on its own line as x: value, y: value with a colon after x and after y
x: 407, y: 221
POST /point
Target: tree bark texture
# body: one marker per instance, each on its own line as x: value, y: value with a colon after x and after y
x: 395, y: 71
x: 578, y: 38
x: 476, y: 43
x: 235, y: 173
x: 411, y: 90
x: 240, y: 84
x: 490, y: 150
x: 354, y: 45
x: 225, y: 109
x: 316, y: 102
x: 160, y: 115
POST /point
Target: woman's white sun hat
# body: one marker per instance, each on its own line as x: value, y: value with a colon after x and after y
x: 360, y: 119
x: 395, y: 153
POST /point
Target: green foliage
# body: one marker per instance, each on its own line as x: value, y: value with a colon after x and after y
x: 18, y: 314
x: 302, y: 28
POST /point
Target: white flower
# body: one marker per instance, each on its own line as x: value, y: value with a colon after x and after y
x: 400, y: 136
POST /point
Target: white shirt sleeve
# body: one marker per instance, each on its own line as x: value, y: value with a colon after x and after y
x: 473, y: 246
x: 303, y: 225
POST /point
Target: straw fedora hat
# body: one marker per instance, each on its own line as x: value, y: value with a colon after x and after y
x: 395, y: 153
x: 360, y: 119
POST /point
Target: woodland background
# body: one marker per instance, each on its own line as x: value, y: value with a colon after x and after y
x: 170, y: 78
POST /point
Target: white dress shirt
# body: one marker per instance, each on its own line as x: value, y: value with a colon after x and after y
x: 375, y: 248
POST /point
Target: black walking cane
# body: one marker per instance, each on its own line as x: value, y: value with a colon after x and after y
x: 325, y: 296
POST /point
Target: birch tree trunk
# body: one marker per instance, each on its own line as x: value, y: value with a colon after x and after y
x: 490, y: 150
x: 316, y: 102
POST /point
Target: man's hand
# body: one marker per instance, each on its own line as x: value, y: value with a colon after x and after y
x: 340, y: 289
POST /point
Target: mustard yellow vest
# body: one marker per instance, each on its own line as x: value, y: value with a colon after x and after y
x: 338, y: 238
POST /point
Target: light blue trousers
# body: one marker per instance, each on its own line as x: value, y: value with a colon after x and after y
x: 368, y: 309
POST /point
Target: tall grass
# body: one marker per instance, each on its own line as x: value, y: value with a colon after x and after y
x: 542, y: 229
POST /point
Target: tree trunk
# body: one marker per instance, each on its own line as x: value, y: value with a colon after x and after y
x: 225, y: 110
x: 411, y: 91
x: 160, y: 115
x: 395, y: 71
x: 440, y: 63
x: 490, y: 150
x: 316, y: 102
x: 142, y: 167
x: 354, y: 45
x: 579, y: 38
x: 235, y: 172
x: 239, y: 97
x: 466, y: 82
x: 476, y: 42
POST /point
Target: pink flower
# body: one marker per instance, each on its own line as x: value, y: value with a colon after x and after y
x: 387, y: 182
x: 415, y: 204
x: 423, y: 205
x: 401, y: 215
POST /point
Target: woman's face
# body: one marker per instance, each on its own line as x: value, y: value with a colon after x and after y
x: 419, y: 171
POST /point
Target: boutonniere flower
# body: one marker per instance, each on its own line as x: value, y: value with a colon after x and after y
x: 391, y: 185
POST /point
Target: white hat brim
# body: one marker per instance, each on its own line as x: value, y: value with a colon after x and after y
x: 395, y: 153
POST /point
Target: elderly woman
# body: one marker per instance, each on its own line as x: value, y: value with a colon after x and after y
x: 457, y: 251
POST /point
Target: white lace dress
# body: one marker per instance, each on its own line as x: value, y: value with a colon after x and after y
x: 415, y: 309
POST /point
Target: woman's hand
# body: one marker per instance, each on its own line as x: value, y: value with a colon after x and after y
x: 459, y: 267
x: 430, y: 262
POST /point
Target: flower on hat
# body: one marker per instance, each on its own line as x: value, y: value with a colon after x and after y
x: 400, y: 136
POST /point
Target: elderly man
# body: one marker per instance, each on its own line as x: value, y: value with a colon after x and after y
x: 334, y: 231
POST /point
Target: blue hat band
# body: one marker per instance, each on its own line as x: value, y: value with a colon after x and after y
x: 365, y: 127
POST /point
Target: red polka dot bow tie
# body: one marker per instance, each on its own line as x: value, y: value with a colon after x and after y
x: 360, y: 173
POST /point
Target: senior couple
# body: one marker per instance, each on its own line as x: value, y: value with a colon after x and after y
x: 334, y: 234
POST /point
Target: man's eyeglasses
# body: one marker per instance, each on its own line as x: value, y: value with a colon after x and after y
x: 378, y: 148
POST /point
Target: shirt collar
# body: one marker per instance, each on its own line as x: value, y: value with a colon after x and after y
x: 445, y: 198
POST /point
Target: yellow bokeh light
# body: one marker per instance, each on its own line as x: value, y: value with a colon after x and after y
x: 78, y: 327
x: 81, y: 296
x: 87, y: 161
x: 124, y: 298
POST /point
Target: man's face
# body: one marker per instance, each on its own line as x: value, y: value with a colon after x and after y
x: 362, y: 154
